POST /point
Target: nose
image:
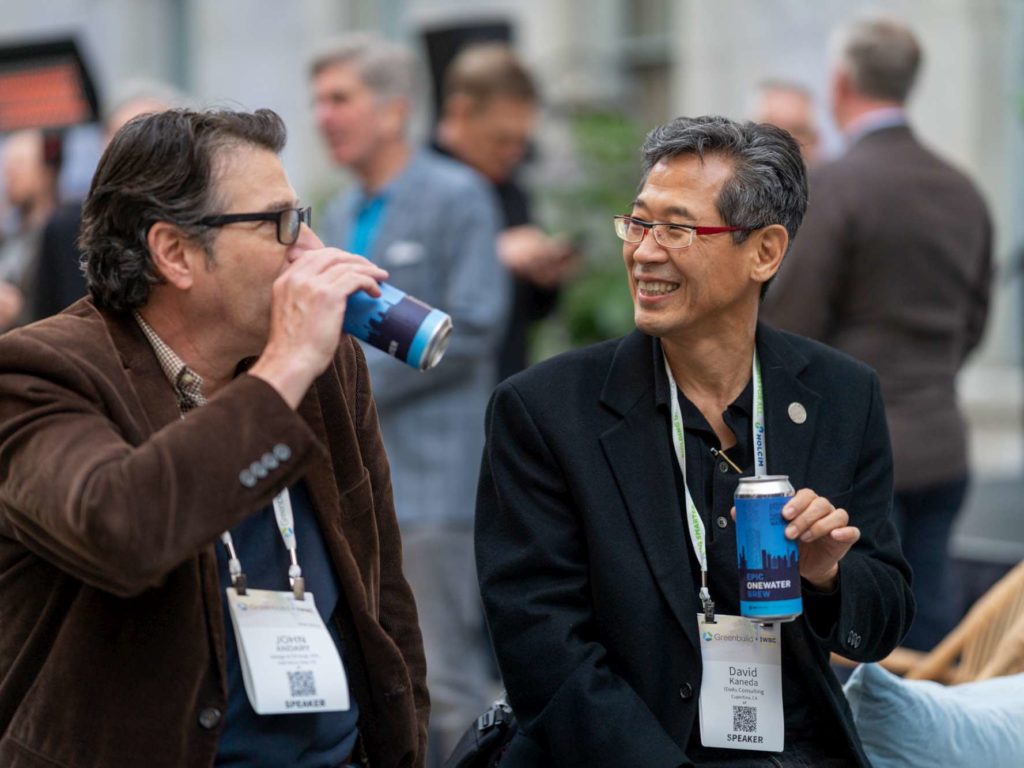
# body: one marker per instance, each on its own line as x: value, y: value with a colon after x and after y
x: 648, y: 250
x: 306, y: 241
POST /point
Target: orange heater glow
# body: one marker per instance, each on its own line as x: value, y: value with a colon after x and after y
x: 44, y: 85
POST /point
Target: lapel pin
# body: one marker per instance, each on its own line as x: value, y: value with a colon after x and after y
x: 797, y: 413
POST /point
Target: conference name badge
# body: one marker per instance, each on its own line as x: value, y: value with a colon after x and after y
x: 289, y: 661
x: 741, y: 688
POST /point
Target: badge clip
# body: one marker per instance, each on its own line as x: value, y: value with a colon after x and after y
x: 709, y: 611
x: 299, y: 588
x: 705, y: 600
x: 238, y: 581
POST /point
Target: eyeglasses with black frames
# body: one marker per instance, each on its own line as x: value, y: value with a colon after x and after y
x: 289, y: 221
x: 672, y: 236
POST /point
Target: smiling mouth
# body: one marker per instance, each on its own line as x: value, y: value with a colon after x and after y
x: 655, y: 287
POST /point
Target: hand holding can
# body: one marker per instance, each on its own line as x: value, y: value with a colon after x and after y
x: 824, y: 536
x: 768, y: 561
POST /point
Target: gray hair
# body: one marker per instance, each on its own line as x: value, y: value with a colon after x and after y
x: 162, y: 166
x: 769, y: 180
x: 880, y: 55
x: 387, y: 68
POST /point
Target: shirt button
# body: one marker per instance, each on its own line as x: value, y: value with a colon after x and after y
x: 282, y: 452
x: 270, y: 461
x: 686, y: 692
x: 209, y: 717
x: 722, y: 521
x: 247, y: 478
x: 723, y: 467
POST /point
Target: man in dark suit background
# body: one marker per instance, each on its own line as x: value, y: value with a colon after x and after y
x: 488, y: 117
x: 589, y: 579
x: 892, y: 266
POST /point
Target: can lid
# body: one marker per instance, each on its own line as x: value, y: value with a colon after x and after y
x: 438, y: 344
x: 765, y: 479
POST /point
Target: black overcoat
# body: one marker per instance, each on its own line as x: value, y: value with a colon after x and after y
x: 581, y: 547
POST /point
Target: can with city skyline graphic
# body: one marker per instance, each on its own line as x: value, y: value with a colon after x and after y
x: 400, y: 325
x: 769, y: 563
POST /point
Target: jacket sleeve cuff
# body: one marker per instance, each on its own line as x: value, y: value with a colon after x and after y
x: 822, y: 609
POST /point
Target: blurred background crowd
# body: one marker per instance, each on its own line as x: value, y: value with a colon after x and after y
x: 601, y: 73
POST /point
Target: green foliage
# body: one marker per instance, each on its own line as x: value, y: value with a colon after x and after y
x: 596, y: 305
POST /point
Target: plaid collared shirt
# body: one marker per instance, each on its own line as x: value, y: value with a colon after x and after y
x: 188, y: 385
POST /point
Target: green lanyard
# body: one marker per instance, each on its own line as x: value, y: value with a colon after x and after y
x: 693, y: 519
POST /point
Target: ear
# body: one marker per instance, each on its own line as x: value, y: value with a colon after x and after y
x: 840, y: 84
x: 458, y: 106
x: 173, y: 254
x: 770, y: 244
x: 395, y: 113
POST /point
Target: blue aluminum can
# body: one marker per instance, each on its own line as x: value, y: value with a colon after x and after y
x: 401, y: 326
x: 769, y: 563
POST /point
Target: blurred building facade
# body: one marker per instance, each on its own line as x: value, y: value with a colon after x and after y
x: 653, y: 58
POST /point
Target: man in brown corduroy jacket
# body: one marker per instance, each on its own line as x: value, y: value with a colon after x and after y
x: 205, y: 375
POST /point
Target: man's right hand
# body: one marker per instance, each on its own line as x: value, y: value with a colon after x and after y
x: 307, y: 313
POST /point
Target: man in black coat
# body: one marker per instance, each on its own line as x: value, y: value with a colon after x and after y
x: 586, y: 550
x: 893, y: 266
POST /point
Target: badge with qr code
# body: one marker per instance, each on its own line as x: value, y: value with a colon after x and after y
x: 290, y: 663
x: 741, y: 688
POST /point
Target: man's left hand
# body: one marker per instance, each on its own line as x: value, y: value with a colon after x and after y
x: 530, y: 254
x: 823, y: 534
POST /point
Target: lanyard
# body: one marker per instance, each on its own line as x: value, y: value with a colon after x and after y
x: 286, y: 526
x: 693, y: 519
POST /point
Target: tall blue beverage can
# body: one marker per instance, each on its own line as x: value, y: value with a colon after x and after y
x: 398, y: 324
x: 769, y: 563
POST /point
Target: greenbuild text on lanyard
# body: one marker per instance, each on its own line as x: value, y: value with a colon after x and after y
x: 693, y: 519
x: 286, y: 525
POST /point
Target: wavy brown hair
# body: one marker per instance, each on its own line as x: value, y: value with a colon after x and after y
x: 159, y: 167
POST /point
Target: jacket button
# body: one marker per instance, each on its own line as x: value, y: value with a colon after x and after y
x: 686, y: 692
x: 209, y: 717
x: 247, y: 478
x: 723, y: 467
x: 282, y: 452
x: 722, y: 521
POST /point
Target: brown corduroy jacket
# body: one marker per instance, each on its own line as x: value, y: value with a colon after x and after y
x: 111, y: 630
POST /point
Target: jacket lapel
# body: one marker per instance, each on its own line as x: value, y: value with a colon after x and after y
x: 322, y: 482
x: 154, y: 398
x: 639, y: 453
x: 791, y: 408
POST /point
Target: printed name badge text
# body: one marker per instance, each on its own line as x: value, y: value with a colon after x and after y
x: 741, y: 688
x: 289, y: 660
